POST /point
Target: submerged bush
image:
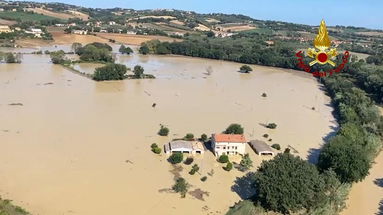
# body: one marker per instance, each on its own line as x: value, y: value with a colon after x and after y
x: 276, y: 146
x: 164, y: 131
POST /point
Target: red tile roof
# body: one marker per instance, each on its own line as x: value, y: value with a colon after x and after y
x: 237, y: 138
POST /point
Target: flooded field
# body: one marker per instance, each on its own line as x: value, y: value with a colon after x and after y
x: 74, y: 146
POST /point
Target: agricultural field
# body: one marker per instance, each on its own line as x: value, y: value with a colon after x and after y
x: 68, y: 15
x: 24, y: 16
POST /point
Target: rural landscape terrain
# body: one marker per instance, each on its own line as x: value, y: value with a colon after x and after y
x: 124, y: 111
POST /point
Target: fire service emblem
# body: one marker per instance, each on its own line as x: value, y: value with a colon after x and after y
x: 322, y: 54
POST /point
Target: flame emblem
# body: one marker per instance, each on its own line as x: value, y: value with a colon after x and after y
x: 321, y: 52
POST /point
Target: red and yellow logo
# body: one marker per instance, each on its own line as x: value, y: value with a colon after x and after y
x: 322, y: 54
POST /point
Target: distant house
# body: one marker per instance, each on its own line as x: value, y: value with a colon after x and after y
x: 35, y: 31
x: 131, y: 32
x: 60, y: 25
x: 228, y: 144
x: 1, y: 9
x: 103, y: 31
x: 80, y: 32
x: 112, y: 23
x: 5, y: 29
x: 261, y: 148
x: 181, y: 34
x: 183, y: 146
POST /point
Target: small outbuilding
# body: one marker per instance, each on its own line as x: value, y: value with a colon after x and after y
x: 183, y: 146
x: 261, y: 148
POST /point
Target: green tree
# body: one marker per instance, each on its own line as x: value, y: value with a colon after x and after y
x: 57, y: 57
x: 176, y: 158
x: 203, y: 138
x: 138, y: 72
x: 75, y: 47
x: 144, y: 50
x: 95, y: 52
x: 125, y: 50
x: 195, y: 168
x: 189, y: 136
x: 110, y: 71
x: 234, y: 129
x: 12, y: 58
x: 276, y: 146
x: 223, y: 159
x: 181, y: 186
x: 348, y: 159
x: 246, y: 69
x: 164, y: 131
x: 246, y: 163
x: 288, y: 184
x: 229, y: 166
x: 271, y: 126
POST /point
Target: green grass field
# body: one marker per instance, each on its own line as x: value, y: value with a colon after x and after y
x: 24, y: 16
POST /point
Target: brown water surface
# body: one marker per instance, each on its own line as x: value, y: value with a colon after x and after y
x: 76, y: 146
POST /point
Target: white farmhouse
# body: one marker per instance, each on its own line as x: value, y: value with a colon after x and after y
x: 37, y: 32
x: 5, y: 29
x: 228, y: 144
x: 80, y: 32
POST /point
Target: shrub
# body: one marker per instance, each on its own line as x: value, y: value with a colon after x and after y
x: 157, y: 150
x: 204, y: 178
x: 154, y: 145
x: 189, y: 161
x: 264, y: 95
x: 270, y: 140
x: 189, y: 136
x: 223, y: 159
x: 176, y: 158
x: 164, y: 131
x: 287, y: 151
x: 265, y: 135
x: 203, y: 137
x: 110, y: 71
x: 271, y: 126
x: 276, y: 146
x: 234, y: 129
x: 194, y: 169
x: 229, y: 166
x: 181, y: 186
x: 246, y: 69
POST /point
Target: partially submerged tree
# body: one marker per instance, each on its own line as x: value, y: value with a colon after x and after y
x: 245, y: 69
x: 125, y: 50
x: 57, y: 57
x: 110, y: 72
x: 138, y: 72
x: 181, y: 186
x: 164, y: 131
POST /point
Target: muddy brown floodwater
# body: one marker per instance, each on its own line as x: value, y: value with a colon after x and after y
x: 75, y: 146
